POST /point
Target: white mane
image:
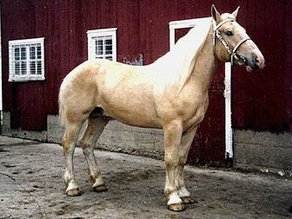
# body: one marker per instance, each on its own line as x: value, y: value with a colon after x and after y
x: 178, y: 63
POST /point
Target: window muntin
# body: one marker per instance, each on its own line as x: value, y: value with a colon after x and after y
x: 26, y: 59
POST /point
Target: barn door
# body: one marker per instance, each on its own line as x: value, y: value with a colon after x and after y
x: 209, y: 144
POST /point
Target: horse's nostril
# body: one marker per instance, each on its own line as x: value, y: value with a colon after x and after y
x: 255, y: 62
x: 259, y: 60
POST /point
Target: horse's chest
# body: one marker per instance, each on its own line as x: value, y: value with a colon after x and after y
x: 194, y: 110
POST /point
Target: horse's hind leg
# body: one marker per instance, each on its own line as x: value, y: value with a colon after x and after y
x: 93, y: 130
x: 69, y: 142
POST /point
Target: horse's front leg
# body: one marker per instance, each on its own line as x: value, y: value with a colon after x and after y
x: 172, y: 141
x: 187, y: 139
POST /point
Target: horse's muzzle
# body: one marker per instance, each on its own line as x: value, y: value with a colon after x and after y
x: 253, y: 61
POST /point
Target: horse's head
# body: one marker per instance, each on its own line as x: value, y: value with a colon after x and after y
x: 233, y: 44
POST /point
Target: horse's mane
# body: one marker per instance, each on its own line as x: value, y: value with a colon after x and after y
x: 179, y: 62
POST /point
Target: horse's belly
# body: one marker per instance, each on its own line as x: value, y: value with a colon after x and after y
x: 135, y: 110
x: 133, y: 117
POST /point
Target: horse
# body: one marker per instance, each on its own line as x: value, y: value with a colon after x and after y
x: 169, y: 94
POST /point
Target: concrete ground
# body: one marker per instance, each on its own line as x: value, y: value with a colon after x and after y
x: 31, y: 186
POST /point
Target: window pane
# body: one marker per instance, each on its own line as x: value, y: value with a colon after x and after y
x: 23, y: 53
x: 108, y: 42
x: 32, y: 67
x: 17, y: 68
x: 39, y: 52
x: 16, y: 53
x: 99, y: 50
x: 32, y: 52
x: 108, y: 49
x: 99, y: 42
x: 23, y: 68
x: 39, y: 67
x: 109, y: 58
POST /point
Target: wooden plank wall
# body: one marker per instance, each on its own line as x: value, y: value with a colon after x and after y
x: 260, y: 101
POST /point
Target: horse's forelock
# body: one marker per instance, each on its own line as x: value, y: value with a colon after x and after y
x: 227, y: 16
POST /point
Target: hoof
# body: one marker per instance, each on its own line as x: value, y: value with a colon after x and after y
x: 74, y: 192
x: 177, y: 207
x: 188, y: 200
x: 100, y: 188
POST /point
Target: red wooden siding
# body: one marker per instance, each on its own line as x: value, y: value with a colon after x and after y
x: 260, y: 101
x: 25, y: 101
x: 288, y: 63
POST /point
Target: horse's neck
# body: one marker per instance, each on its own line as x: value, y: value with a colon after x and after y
x: 190, y: 64
x: 203, y: 66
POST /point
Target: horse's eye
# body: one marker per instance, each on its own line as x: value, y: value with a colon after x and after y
x: 229, y: 33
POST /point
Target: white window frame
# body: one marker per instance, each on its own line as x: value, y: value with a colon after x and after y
x: 100, y: 33
x: 26, y: 43
x: 181, y: 24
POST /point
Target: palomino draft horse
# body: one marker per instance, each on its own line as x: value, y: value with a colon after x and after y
x: 171, y: 93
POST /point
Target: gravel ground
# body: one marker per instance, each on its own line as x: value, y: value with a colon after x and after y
x: 31, y: 186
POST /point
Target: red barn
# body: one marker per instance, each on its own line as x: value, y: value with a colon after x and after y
x: 42, y: 40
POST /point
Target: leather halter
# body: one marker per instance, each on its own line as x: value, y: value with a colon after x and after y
x: 216, y: 33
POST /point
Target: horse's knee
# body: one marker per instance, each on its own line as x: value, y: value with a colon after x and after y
x: 64, y: 141
x: 182, y: 161
x: 169, y: 165
x: 87, y: 149
x: 67, y: 147
x: 84, y: 144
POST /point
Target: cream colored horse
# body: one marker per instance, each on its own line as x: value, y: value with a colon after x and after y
x: 171, y: 93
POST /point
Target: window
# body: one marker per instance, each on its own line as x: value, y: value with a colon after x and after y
x: 26, y: 60
x: 102, y: 44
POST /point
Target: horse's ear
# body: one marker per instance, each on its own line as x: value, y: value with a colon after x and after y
x: 236, y: 12
x: 215, y: 14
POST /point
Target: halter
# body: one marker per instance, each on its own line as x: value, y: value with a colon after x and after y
x: 216, y: 33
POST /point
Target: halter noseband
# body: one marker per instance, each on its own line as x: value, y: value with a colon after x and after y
x: 216, y: 33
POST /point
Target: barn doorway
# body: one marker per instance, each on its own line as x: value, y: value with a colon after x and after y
x: 213, y: 142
